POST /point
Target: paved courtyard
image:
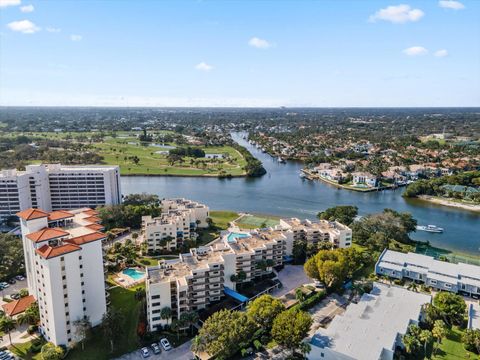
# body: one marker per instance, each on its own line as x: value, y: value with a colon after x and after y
x: 291, y: 277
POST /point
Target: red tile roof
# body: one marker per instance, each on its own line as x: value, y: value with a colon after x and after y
x: 32, y: 214
x: 84, y: 239
x: 95, y: 227
x: 90, y: 212
x: 49, y: 252
x: 18, y: 306
x: 92, y: 219
x: 47, y: 234
x: 59, y: 215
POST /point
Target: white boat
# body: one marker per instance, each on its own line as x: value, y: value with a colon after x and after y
x: 280, y: 160
x: 430, y: 228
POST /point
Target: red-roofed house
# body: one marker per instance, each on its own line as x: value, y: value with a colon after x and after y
x: 18, y: 306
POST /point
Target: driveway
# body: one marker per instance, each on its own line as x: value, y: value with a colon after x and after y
x: 324, y: 312
x: 180, y: 353
x: 291, y: 277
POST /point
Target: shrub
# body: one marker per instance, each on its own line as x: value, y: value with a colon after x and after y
x: 258, y: 345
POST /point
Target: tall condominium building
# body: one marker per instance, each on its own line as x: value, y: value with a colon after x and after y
x: 64, y: 267
x: 177, y: 223
x: 55, y: 187
x: 200, y: 277
x: 315, y: 232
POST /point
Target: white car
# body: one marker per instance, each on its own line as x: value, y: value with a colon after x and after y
x: 20, y: 277
x: 156, y: 348
x: 145, y: 353
x: 165, y: 344
x: 4, y: 285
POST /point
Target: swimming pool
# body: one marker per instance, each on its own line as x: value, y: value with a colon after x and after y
x: 233, y: 236
x: 133, y: 273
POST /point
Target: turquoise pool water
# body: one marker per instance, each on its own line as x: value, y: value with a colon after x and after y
x: 133, y: 273
x: 232, y: 236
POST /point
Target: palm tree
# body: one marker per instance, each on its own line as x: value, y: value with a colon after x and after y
x: 176, y: 326
x: 112, y: 326
x: 7, y: 324
x: 299, y: 295
x: 426, y: 337
x: 305, y: 348
x: 82, y: 329
x: 166, y: 313
x: 412, y: 286
x: 189, y: 318
x: 439, y: 331
x: 197, y: 345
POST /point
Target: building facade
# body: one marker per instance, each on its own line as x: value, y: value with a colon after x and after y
x: 316, y: 232
x: 177, y: 224
x: 200, y: 277
x: 55, y: 187
x: 441, y: 275
x: 64, y: 268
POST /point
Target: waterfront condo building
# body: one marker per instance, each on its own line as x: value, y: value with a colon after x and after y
x: 55, y: 187
x: 64, y: 268
x: 316, y: 232
x: 441, y: 275
x: 177, y: 223
x: 201, y: 276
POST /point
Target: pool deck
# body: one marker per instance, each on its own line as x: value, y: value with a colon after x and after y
x: 126, y: 281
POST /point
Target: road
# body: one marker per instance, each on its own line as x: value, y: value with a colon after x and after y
x: 180, y: 353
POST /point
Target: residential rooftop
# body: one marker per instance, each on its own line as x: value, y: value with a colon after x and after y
x: 372, y: 326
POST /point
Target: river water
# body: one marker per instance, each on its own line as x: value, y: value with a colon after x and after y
x: 282, y: 192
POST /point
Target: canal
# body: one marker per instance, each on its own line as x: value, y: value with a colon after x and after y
x: 282, y: 192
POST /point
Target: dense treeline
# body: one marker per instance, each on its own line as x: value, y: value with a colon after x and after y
x: 188, y: 151
x: 11, y: 257
x: 435, y: 186
x: 254, y: 167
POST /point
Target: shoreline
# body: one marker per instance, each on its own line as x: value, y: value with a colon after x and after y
x: 446, y: 202
x: 185, y: 175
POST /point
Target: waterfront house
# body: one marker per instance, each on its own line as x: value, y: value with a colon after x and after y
x: 365, y: 178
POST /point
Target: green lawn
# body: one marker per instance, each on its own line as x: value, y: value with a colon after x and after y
x: 452, y: 348
x: 22, y: 351
x: 97, y: 348
x: 257, y: 221
x: 220, y: 219
x: 114, y: 151
x: 117, y: 150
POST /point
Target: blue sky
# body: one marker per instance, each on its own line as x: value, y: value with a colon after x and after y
x: 240, y: 53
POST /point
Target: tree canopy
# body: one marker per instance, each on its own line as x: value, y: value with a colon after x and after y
x: 263, y: 310
x: 11, y: 257
x: 344, y: 214
x: 290, y: 328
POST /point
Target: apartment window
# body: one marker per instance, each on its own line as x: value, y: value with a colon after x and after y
x: 69, y: 339
x: 65, y: 296
x: 68, y: 331
x: 64, y: 277
x: 81, y: 275
x: 66, y: 314
x: 155, y: 297
x: 81, y: 266
x: 84, y: 308
x: 66, y: 304
x: 64, y: 286
x: 434, y: 282
x: 68, y: 322
x: 63, y: 268
x: 83, y: 300
x: 80, y: 257
x: 83, y: 283
x: 62, y: 258
x: 448, y: 286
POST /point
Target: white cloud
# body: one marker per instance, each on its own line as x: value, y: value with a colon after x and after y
x: 74, y: 37
x: 441, y: 53
x: 451, y: 4
x: 415, y: 51
x: 23, y: 26
x: 5, y: 3
x: 53, y: 30
x: 203, y: 66
x: 27, y: 8
x: 259, y: 43
x: 397, y: 14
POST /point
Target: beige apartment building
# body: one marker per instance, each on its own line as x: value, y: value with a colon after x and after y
x: 177, y: 223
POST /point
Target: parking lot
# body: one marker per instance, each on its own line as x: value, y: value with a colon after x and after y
x: 181, y: 353
x: 291, y: 277
x: 13, y: 289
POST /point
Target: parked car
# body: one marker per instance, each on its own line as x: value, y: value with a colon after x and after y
x: 145, y: 353
x: 20, y: 277
x: 165, y: 344
x: 4, y: 285
x: 15, y: 296
x: 156, y: 349
x: 12, y: 281
x: 319, y: 285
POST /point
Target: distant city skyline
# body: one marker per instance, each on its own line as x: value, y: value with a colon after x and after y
x: 240, y: 54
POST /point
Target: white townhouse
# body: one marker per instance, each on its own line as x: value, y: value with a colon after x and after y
x: 57, y: 187
x: 64, y: 268
x: 371, y: 329
x: 177, y: 223
x: 458, y: 278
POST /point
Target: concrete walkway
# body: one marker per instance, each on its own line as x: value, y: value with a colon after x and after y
x: 19, y: 335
